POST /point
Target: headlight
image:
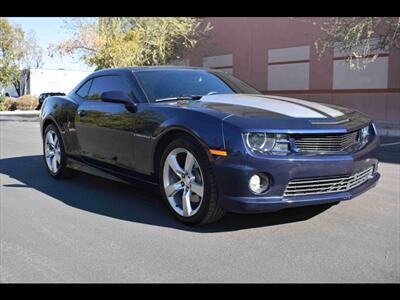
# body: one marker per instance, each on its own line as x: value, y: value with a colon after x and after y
x: 365, y: 134
x: 262, y: 142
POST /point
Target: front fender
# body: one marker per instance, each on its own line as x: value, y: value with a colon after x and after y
x: 205, y: 128
x: 61, y: 112
x: 154, y: 124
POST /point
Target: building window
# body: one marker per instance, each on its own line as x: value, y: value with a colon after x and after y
x: 219, y: 62
x: 374, y: 75
x: 289, y: 68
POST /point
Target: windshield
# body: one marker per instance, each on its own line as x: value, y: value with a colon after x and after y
x: 163, y: 84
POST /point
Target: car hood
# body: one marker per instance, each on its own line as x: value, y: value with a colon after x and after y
x: 261, y: 111
x: 250, y: 106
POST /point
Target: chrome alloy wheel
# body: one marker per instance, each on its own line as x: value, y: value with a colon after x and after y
x: 52, y: 151
x: 183, y: 182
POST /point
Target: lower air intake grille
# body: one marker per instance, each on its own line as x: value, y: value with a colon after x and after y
x: 324, y: 185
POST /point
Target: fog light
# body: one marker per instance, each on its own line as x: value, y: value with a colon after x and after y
x: 259, y: 183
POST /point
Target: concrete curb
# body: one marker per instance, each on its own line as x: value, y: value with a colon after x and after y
x: 20, y: 115
x: 389, y: 132
x: 388, y: 128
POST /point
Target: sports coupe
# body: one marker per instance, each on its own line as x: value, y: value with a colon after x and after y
x: 211, y: 142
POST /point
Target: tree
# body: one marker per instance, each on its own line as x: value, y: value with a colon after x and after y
x: 29, y: 55
x: 130, y: 41
x: 164, y: 39
x: 8, y: 53
x: 360, y: 38
x: 18, y: 51
x: 32, y: 53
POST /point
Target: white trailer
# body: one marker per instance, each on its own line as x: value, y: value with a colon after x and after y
x: 37, y: 81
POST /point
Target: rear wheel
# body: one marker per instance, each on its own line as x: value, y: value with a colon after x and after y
x: 187, y: 183
x: 54, y: 153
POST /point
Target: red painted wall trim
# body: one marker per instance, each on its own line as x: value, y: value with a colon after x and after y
x: 341, y: 91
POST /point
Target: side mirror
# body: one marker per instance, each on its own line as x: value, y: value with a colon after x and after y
x: 118, y: 97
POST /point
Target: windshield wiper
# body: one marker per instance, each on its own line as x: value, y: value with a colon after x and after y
x: 189, y: 97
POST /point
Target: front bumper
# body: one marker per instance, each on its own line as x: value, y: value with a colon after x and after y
x: 234, y: 173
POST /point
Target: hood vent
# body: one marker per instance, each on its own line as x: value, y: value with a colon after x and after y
x: 330, y: 122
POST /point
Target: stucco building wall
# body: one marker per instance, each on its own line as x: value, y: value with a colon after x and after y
x: 278, y: 57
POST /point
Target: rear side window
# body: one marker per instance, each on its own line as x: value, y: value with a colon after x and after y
x: 108, y: 83
x: 84, y: 89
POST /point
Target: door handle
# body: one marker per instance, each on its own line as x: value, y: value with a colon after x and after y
x: 82, y: 113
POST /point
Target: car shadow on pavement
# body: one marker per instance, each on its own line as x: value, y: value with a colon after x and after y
x: 135, y: 203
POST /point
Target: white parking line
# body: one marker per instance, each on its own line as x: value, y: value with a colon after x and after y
x: 390, y: 144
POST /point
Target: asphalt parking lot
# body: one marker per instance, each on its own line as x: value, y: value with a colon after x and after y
x: 87, y: 229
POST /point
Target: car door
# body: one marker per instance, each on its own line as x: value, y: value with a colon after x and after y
x: 105, y: 129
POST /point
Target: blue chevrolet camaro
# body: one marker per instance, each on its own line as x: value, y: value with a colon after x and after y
x: 210, y: 141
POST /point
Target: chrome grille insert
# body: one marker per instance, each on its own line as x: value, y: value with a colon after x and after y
x: 326, y: 143
x: 324, y: 185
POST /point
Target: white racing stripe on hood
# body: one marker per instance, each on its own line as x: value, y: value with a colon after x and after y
x: 325, y: 109
x: 281, y: 107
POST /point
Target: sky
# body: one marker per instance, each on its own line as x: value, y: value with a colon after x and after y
x: 50, y: 30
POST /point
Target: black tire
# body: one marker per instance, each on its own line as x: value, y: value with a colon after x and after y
x: 210, y: 210
x: 63, y: 171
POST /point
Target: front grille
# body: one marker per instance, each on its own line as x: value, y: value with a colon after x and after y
x: 324, y: 185
x: 326, y: 143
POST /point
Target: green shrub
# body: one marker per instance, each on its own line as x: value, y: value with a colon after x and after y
x: 26, y: 102
x: 2, y: 106
x: 10, y: 104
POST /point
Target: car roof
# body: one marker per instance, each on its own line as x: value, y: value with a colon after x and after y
x: 148, y: 68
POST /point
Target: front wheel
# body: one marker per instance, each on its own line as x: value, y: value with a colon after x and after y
x: 187, y: 183
x: 54, y: 153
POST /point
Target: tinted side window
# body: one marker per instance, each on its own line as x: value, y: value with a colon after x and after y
x: 84, y: 89
x: 108, y: 83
